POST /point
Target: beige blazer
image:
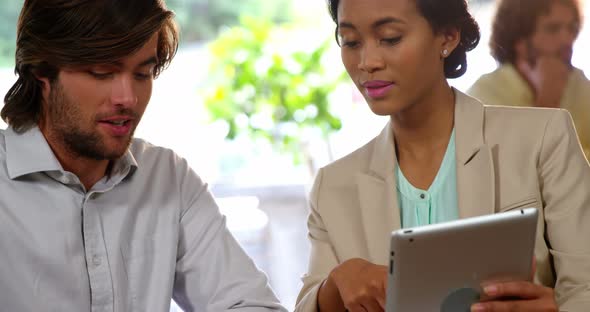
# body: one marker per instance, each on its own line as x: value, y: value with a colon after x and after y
x: 507, y: 158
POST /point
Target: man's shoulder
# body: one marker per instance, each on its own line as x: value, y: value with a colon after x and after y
x: 2, y: 148
x: 146, y: 153
x: 2, y: 141
x: 580, y: 81
x: 141, y: 147
x: 498, y: 77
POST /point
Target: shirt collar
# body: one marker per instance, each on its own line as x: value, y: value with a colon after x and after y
x: 28, y: 152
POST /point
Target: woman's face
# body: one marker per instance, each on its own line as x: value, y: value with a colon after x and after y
x: 391, y: 52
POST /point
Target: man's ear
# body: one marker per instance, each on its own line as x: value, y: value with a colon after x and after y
x: 45, y: 86
x: 451, y: 37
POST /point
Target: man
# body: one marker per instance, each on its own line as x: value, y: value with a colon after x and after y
x: 90, y: 218
x: 532, y: 40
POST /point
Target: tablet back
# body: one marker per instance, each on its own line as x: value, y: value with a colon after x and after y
x: 441, y: 267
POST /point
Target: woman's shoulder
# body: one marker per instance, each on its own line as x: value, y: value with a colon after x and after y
x: 345, y: 169
x: 513, y: 118
x: 525, y: 126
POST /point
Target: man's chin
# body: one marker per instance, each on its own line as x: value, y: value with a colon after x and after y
x: 107, y: 150
x: 117, y: 151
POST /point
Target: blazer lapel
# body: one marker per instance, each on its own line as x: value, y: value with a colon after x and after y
x: 378, y: 197
x: 475, y: 178
x: 475, y: 166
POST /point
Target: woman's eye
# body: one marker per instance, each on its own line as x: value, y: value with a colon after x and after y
x: 350, y: 44
x: 391, y: 41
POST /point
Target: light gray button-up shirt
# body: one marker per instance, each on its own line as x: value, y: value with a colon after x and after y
x: 148, y: 232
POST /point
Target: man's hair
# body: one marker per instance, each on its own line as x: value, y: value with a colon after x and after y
x: 516, y: 20
x: 53, y: 34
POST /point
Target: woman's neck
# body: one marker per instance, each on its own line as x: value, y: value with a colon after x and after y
x: 427, y: 125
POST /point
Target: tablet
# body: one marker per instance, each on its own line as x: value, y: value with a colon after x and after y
x: 441, y: 267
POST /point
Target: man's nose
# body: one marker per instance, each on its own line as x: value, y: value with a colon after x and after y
x: 123, y: 92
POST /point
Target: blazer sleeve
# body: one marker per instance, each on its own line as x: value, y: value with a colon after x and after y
x: 565, y: 186
x: 322, y: 257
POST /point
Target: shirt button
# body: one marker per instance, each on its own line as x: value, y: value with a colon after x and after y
x: 96, y: 260
x: 422, y: 196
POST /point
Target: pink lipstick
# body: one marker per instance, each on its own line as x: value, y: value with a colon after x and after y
x: 376, y: 89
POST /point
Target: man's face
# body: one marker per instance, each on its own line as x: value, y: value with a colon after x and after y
x: 555, y: 34
x: 92, y: 111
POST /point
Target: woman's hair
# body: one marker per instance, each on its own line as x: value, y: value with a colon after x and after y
x: 53, y: 34
x: 443, y: 15
x: 516, y: 20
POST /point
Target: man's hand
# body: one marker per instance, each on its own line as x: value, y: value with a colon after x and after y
x: 548, y: 77
x: 516, y: 296
x: 361, y: 285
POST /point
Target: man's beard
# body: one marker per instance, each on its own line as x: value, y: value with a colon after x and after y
x: 67, y: 127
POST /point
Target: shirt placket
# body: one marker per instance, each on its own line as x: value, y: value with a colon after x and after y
x: 423, y: 207
x: 101, y: 290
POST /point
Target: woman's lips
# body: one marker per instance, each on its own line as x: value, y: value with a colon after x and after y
x: 377, y: 88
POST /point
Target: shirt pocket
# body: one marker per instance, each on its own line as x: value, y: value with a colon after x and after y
x: 528, y: 202
x: 138, y: 255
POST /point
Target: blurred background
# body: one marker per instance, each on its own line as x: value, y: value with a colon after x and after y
x: 257, y: 100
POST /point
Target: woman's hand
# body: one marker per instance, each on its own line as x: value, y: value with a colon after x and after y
x: 516, y: 296
x: 359, y: 285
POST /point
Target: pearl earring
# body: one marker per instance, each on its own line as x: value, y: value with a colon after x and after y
x: 445, y: 52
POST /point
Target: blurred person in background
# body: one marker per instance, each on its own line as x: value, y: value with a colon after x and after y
x: 92, y: 219
x: 442, y: 156
x: 532, y: 41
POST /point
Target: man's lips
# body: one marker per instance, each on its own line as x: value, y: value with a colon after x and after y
x: 117, y: 119
x: 117, y: 125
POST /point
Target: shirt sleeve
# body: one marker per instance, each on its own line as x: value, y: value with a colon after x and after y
x: 213, y: 273
x: 565, y: 185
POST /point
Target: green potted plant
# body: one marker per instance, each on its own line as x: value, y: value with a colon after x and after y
x: 263, y: 86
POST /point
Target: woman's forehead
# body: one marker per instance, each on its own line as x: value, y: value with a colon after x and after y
x: 374, y: 10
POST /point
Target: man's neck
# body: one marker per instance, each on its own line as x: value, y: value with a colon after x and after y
x: 88, y: 170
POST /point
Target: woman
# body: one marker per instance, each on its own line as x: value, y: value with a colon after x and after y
x: 442, y: 156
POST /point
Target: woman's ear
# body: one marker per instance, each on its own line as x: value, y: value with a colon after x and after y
x: 450, y: 40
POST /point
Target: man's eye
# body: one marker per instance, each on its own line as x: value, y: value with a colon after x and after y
x: 142, y: 76
x: 100, y: 75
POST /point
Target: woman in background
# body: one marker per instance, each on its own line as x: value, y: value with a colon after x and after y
x: 442, y: 156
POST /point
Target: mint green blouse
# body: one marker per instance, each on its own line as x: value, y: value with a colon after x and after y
x: 438, y: 203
